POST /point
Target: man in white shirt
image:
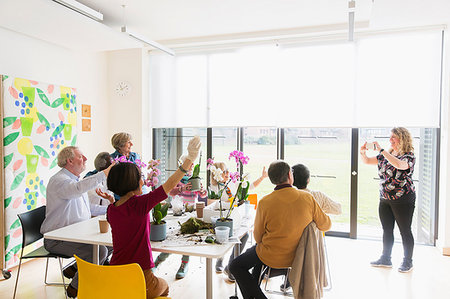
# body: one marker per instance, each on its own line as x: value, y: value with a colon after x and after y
x: 68, y: 203
x: 301, y: 180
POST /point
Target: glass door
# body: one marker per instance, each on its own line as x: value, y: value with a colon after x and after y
x: 327, y: 154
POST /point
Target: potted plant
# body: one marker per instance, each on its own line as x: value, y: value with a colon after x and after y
x: 241, y: 195
x: 158, y: 230
x: 195, y: 179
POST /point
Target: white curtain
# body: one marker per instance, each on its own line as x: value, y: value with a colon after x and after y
x: 378, y: 81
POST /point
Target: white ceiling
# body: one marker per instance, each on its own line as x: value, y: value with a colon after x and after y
x: 168, y: 21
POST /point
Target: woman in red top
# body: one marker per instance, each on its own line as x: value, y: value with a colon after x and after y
x: 130, y: 220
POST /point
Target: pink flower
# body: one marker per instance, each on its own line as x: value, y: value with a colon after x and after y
x: 234, y: 176
x: 209, y: 163
x: 239, y: 157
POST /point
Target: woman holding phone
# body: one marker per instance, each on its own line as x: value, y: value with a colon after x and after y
x: 397, y: 194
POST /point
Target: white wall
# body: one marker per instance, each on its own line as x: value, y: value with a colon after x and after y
x: 29, y: 58
x: 130, y: 113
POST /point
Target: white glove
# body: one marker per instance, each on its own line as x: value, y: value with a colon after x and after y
x: 193, y: 148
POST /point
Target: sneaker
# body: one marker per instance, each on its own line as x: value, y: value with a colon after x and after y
x: 70, y: 272
x: 382, y: 262
x: 219, y: 266
x: 71, y: 291
x: 182, y: 270
x: 406, y: 266
x: 229, y: 275
x: 283, y: 288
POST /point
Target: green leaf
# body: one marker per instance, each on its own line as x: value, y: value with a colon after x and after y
x: 74, y: 141
x: 10, y: 138
x: 43, y: 120
x: 59, y: 129
x: 7, y: 238
x: 7, y: 201
x: 158, y: 217
x: 196, y: 171
x: 8, y: 159
x: 7, y: 121
x: 41, y: 151
x: 43, y: 190
x: 4, y: 77
x: 54, y: 163
x: 164, y: 210
x: 43, y: 97
x: 57, y: 102
x: 17, y: 180
x: 15, y: 224
x: 13, y: 251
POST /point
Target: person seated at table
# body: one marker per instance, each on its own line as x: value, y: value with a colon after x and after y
x: 101, y: 162
x: 280, y: 219
x: 229, y: 192
x: 301, y: 180
x: 68, y: 203
x: 122, y: 144
x: 183, y: 190
x: 130, y: 220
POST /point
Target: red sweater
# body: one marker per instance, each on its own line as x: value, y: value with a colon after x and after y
x: 130, y: 228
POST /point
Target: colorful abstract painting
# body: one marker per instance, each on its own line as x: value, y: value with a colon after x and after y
x: 39, y: 120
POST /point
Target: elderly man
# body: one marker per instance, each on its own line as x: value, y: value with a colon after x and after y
x: 280, y: 220
x: 67, y: 203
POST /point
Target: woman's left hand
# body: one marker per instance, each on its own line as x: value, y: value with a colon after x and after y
x: 104, y: 195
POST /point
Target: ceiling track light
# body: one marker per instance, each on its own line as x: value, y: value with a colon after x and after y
x: 147, y: 41
x: 81, y: 8
x: 351, y: 20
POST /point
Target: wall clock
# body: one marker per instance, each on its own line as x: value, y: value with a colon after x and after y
x: 123, y: 88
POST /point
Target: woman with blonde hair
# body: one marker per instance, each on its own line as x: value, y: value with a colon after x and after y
x: 397, y: 194
x: 122, y: 144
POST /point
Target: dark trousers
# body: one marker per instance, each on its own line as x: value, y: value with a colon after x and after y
x: 248, y: 282
x: 400, y: 211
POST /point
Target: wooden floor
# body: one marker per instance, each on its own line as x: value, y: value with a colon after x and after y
x: 352, y: 277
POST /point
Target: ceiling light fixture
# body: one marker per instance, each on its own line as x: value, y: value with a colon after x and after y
x: 81, y: 8
x: 351, y: 19
x: 147, y: 41
x: 143, y: 39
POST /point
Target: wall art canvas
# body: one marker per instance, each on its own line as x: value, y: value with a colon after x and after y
x: 39, y: 119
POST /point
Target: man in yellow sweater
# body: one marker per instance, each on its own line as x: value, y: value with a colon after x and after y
x: 280, y: 220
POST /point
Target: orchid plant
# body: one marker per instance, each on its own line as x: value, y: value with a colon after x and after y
x: 138, y: 162
x: 242, y: 190
x: 154, y: 172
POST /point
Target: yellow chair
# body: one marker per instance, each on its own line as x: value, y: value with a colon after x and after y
x: 122, y: 281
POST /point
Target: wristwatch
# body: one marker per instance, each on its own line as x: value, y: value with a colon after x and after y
x: 182, y: 169
x: 381, y: 150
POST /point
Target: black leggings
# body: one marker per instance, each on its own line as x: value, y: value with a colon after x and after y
x: 400, y: 211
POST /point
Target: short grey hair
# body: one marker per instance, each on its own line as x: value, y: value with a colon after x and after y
x: 66, y: 154
x: 102, y: 161
x: 278, y: 172
x: 118, y: 140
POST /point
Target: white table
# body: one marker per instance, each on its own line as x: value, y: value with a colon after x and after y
x: 87, y: 232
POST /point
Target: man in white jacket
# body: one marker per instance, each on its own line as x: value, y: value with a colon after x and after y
x: 301, y: 180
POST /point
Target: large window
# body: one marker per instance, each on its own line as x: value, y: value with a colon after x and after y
x: 329, y: 154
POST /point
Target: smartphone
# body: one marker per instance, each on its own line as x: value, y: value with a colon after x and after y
x: 370, y: 146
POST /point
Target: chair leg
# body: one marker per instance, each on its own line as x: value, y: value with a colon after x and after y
x: 62, y: 275
x: 328, y: 273
x: 18, y: 273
